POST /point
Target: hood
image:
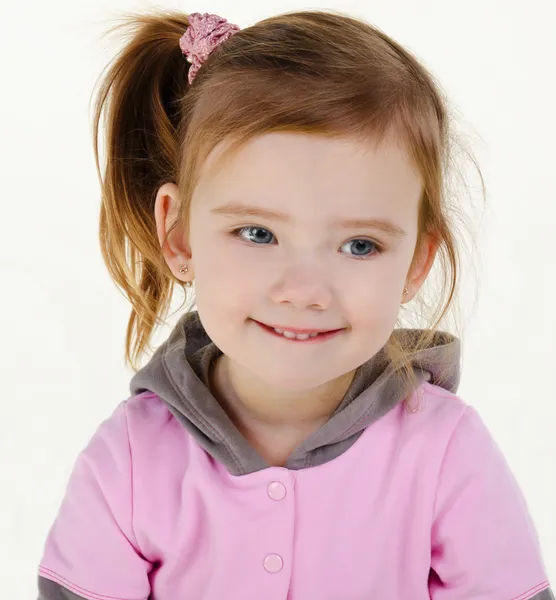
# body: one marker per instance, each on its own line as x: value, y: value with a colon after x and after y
x: 178, y: 372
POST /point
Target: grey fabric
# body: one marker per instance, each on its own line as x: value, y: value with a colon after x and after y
x: 50, y: 590
x: 178, y: 372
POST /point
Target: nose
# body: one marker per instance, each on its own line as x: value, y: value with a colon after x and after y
x: 303, y: 286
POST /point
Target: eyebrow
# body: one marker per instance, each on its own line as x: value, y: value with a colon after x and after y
x: 237, y: 209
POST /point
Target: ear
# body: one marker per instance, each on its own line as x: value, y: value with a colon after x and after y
x: 422, y: 264
x: 175, y: 249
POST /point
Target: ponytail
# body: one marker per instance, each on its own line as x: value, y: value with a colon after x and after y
x: 140, y: 95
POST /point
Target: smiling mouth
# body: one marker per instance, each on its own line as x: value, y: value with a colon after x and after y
x: 299, y: 335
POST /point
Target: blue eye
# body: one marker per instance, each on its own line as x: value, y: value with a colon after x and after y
x: 257, y: 235
x: 363, y: 248
x: 360, y: 248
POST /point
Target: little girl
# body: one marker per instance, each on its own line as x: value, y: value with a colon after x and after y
x: 287, y: 441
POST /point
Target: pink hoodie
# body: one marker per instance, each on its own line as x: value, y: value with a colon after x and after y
x: 168, y: 503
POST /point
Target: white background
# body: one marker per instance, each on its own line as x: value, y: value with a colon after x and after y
x: 63, y: 321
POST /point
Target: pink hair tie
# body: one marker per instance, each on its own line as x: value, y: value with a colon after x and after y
x: 205, y: 32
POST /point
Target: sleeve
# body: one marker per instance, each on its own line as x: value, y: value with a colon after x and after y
x: 483, y: 542
x: 91, y: 551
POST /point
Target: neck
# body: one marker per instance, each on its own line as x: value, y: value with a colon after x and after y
x: 252, y: 404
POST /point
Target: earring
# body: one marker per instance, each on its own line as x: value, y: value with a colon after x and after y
x: 405, y: 291
x: 184, y: 269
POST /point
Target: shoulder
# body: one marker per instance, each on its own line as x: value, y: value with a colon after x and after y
x: 156, y: 436
x: 434, y: 409
x: 146, y: 410
x: 469, y: 457
x: 136, y: 423
x: 459, y: 420
x: 138, y: 418
x: 149, y: 419
x: 438, y: 402
x: 442, y: 425
x: 140, y: 432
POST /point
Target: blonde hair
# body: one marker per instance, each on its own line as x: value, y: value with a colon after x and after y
x: 313, y: 72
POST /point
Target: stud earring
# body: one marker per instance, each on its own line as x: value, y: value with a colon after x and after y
x: 184, y: 269
x: 405, y: 291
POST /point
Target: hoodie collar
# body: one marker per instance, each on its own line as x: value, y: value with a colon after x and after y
x: 178, y: 372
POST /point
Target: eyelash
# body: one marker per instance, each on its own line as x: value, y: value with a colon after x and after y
x: 237, y: 234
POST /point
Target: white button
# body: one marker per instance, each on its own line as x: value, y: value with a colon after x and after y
x: 273, y: 563
x: 277, y: 490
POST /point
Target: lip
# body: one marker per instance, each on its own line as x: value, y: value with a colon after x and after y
x: 324, y: 334
x: 296, y: 330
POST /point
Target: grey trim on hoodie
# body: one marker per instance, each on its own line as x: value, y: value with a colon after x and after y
x: 178, y: 373
x: 49, y: 590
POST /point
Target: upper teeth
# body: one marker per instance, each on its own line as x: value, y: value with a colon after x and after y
x: 297, y: 336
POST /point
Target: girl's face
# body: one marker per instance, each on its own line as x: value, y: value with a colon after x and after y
x: 304, y: 232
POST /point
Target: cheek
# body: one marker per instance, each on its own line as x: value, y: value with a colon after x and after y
x: 379, y: 282
x: 377, y: 309
x: 374, y: 299
x: 225, y: 271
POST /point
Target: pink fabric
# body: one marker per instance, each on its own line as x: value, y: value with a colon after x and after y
x: 205, y: 32
x: 147, y: 509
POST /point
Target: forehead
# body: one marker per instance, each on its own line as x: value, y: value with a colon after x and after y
x: 296, y: 170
